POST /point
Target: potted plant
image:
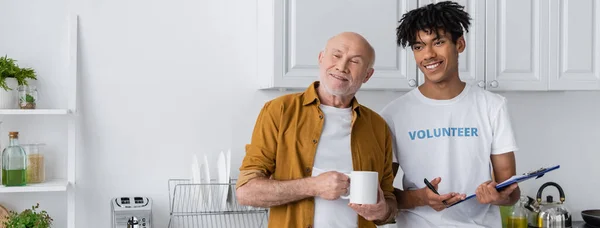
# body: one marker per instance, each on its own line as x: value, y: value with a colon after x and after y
x: 12, y: 76
x: 29, y: 218
x: 27, y: 97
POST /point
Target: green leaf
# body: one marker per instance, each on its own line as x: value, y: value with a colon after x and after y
x: 9, y: 69
x: 29, y: 98
x: 29, y: 218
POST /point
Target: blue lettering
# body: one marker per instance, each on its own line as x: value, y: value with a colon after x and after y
x: 412, y: 134
x: 446, y: 131
x: 421, y: 134
x: 437, y: 132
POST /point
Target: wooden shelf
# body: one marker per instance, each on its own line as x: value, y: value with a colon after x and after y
x: 58, y: 185
x: 34, y: 111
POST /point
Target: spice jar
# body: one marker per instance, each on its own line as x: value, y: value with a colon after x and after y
x: 36, y: 172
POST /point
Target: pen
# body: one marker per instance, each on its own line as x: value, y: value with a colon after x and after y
x: 430, y: 186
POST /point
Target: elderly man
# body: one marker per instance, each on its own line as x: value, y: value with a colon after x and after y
x: 304, y: 143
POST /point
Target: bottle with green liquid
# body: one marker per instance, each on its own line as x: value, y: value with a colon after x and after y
x: 14, y: 162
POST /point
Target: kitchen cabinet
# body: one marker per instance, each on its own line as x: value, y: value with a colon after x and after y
x: 574, y: 38
x: 516, y: 45
x: 528, y: 45
x: 542, y: 45
x: 292, y: 32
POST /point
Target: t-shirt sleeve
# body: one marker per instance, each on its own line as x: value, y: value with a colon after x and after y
x: 502, y: 131
x: 389, y: 121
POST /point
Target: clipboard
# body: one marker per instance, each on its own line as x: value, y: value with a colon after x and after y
x: 516, y: 179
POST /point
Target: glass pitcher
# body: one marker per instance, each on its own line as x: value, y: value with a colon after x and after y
x: 518, y: 216
x: 505, y: 211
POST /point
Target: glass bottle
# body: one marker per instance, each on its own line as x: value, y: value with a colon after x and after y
x: 518, y: 216
x: 14, y: 162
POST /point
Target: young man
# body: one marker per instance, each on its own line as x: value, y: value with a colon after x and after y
x: 304, y: 143
x: 448, y: 132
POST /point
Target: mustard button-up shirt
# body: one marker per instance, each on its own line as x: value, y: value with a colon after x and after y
x: 284, y: 144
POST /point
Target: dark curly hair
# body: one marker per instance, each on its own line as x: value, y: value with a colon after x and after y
x: 447, y: 16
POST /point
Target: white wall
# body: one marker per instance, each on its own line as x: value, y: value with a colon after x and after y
x: 161, y: 80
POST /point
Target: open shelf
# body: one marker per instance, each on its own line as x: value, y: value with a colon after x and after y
x: 58, y: 185
x: 34, y: 111
x: 67, y: 114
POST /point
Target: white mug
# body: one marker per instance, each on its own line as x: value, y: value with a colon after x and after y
x: 364, y: 187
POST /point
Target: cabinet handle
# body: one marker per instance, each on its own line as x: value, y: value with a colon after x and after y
x: 494, y: 84
x: 481, y: 84
x: 412, y: 83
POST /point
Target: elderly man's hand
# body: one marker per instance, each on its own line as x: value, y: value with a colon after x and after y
x: 330, y: 185
x: 372, y: 212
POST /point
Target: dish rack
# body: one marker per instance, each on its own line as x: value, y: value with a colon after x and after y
x: 194, y: 205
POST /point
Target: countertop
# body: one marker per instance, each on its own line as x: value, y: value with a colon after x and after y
x: 581, y: 224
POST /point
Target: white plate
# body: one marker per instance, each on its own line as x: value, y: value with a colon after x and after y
x: 195, y: 190
x: 222, y: 179
x: 229, y: 188
x: 206, y: 197
x: 206, y: 176
x: 195, y: 170
x: 228, y: 159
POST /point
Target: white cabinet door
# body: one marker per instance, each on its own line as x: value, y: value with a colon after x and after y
x: 517, y: 45
x: 575, y: 45
x: 292, y: 32
x: 471, y: 61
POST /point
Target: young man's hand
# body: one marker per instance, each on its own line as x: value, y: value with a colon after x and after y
x: 487, y: 194
x: 439, y: 202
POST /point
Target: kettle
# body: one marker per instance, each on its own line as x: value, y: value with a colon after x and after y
x: 552, y: 214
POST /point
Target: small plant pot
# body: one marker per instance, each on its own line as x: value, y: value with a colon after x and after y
x: 8, y: 97
x: 28, y: 97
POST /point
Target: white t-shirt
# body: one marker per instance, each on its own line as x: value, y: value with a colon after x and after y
x: 334, y: 154
x: 452, y: 139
